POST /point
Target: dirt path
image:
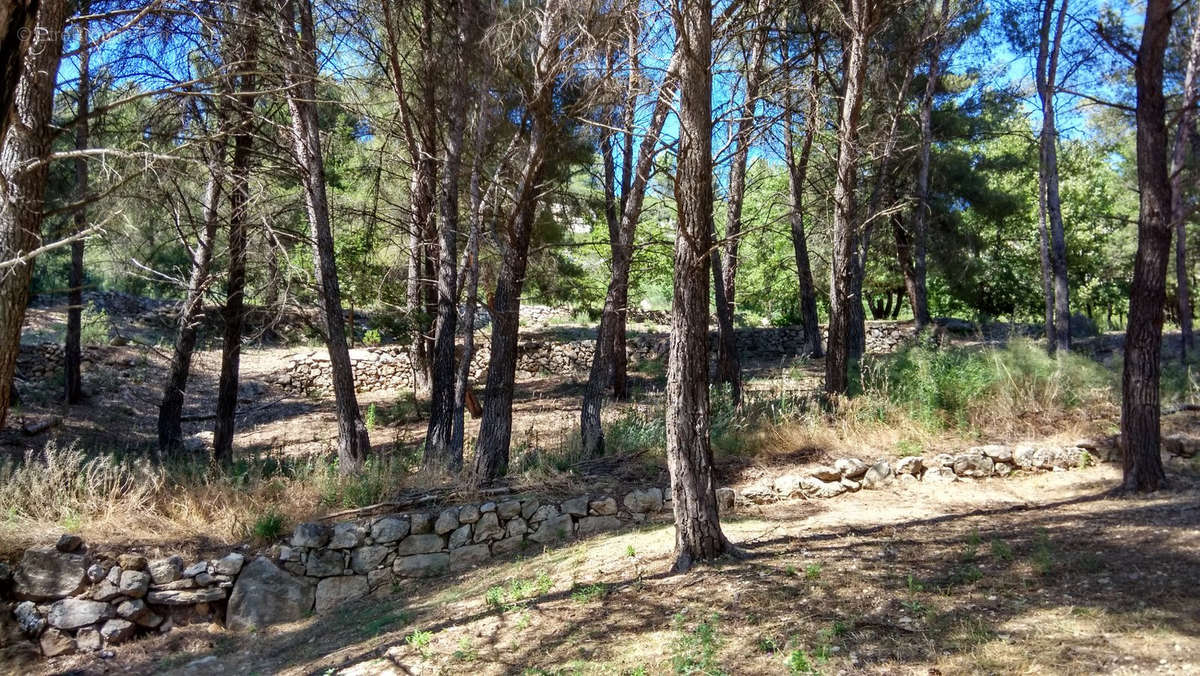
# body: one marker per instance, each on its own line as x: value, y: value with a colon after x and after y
x: 1032, y: 574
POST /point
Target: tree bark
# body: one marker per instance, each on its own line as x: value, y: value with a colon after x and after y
x: 1047, y: 83
x: 620, y: 357
x: 22, y: 189
x: 300, y: 76
x: 72, y: 350
x: 729, y: 370
x: 1184, y: 138
x: 698, y: 533
x: 17, y: 20
x: 239, y: 203
x: 1140, y: 432
x: 843, y: 295
x: 610, y: 333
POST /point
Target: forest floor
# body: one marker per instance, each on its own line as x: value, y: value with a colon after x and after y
x: 1042, y: 573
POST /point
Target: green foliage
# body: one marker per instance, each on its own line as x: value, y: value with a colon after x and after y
x: 369, y: 418
x: 269, y: 526
x: 589, y: 593
x: 694, y: 650
x: 636, y: 430
x: 812, y: 571
x: 503, y: 599
x: 95, y: 326
x: 1001, y: 550
x: 419, y: 641
x: 372, y: 337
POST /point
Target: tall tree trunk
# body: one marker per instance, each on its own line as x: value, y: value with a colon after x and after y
x: 797, y: 178
x: 495, y: 428
x: 1184, y: 138
x: 843, y: 296
x: 698, y: 533
x: 22, y: 189
x: 300, y: 75
x: 729, y: 370
x: 610, y: 333
x: 620, y: 357
x: 1047, y: 271
x: 1047, y: 84
x: 72, y: 351
x: 225, y: 424
x: 17, y: 19
x: 1140, y: 433
x: 170, y: 409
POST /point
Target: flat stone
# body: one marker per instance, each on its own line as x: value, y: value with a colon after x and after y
x: 195, y: 569
x: 576, y: 506
x: 459, y: 536
x: 544, y: 512
x: 55, y: 642
x: 76, y: 613
x: 346, y: 536
x: 940, y: 460
x: 553, y: 529
x: 380, y: 577
x: 45, y: 574
x: 265, y: 595
x: 877, y: 475
x: 324, y: 563
x: 167, y: 569
x: 850, y: 484
x: 508, y: 509
x: 29, y: 619
x: 825, y: 473
x: 488, y: 527
x: 230, y: 564
x: 186, y: 597
x: 367, y: 558
x: 528, y: 507
x: 939, y: 475
x: 421, y: 565
x: 446, y: 521
x: 911, y: 465
x: 997, y: 452
x: 850, y: 468
x: 605, y: 506
x: 787, y: 485
x: 590, y: 525
x: 117, y: 631
x: 181, y: 583
x: 973, y: 465
x: 312, y: 535
x: 467, y: 557
x: 487, y: 507
x: 334, y: 591
x: 87, y: 640
x: 815, y: 488
x: 105, y: 591
x: 68, y: 543
x: 138, y: 612
x: 389, y: 529
x: 420, y: 544
x: 516, y: 527
x: 131, y: 562
x: 421, y: 523
x: 644, y: 500
x: 508, y: 545
x: 468, y: 514
x: 134, y: 583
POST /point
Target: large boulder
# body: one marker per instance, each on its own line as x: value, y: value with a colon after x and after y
x: 45, y: 574
x: 76, y: 613
x: 421, y: 565
x: 554, y: 529
x: 973, y: 465
x: 334, y: 591
x: 265, y: 595
x: 644, y: 500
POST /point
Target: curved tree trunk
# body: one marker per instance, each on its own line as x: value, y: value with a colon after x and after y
x: 22, y: 190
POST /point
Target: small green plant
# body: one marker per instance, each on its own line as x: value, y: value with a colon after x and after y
x: 523, y: 621
x: 799, y: 662
x: 95, y: 326
x: 907, y: 448
x: 269, y: 526
x: 1043, y: 553
x: 767, y: 644
x: 1086, y: 460
x: 789, y: 570
x: 1001, y: 550
x: 465, y: 652
x: 915, y: 585
x: 544, y: 583
x: 966, y: 574
x: 914, y: 606
x: 971, y: 548
x: 372, y: 337
x: 589, y: 593
x: 630, y: 551
x: 369, y: 418
x: 695, y: 650
x: 494, y: 597
x: 379, y: 624
x: 812, y: 571
x: 419, y: 641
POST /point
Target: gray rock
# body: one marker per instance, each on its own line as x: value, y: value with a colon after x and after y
x: 850, y: 468
x: 324, y: 563
x: 528, y: 507
x: 553, y: 529
x: 516, y: 527
x: 380, y: 577
x: 420, y: 544
x: 851, y: 485
x: 911, y: 465
x: 468, y: 514
x: 87, y: 640
x: 167, y: 569
x: 181, y: 583
x: 389, y: 529
x: 334, y: 591
x: 997, y: 452
x: 138, y: 612
x: 973, y: 465
x: 195, y: 569
x: 487, y: 507
x: 576, y: 506
x: 312, y: 535
x: 508, y: 509
x: 45, y: 574
x: 117, y: 631
x: 508, y: 545
x: 590, y: 525
x: 421, y: 565
x: 488, y: 527
x: 106, y: 591
x: 96, y: 572
x: 788, y: 485
x: 939, y: 474
x: 230, y: 564
x: 131, y: 562
x: 186, y: 597
x: 878, y: 475
x: 726, y: 499
x: 940, y: 460
x: 346, y: 536
x: 134, y: 583
x: 56, y: 642
x: 815, y: 488
x: 205, y: 579
x: 265, y: 595
x: 460, y: 536
x: 446, y: 521
x: 1002, y: 469
x: 367, y: 558
x: 825, y: 473
x: 544, y: 512
x: 29, y: 619
x: 68, y: 543
x: 605, y: 506
x: 76, y: 613
x: 464, y: 558
x: 644, y: 500
x: 421, y: 523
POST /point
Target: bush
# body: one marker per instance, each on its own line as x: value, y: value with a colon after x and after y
x: 95, y: 326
